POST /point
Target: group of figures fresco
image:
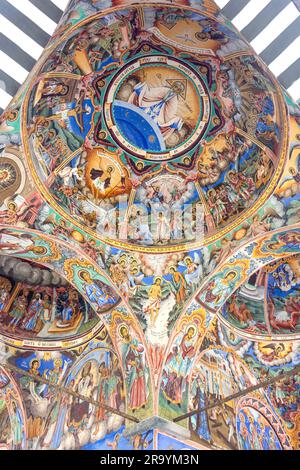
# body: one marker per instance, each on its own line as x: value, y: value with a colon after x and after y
x: 270, y: 302
x: 43, y: 312
x: 225, y: 365
x: 149, y: 237
x: 255, y: 431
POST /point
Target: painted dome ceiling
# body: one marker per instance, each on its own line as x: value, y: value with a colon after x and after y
x: 140, y: 113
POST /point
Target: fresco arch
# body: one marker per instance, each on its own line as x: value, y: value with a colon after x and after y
x: 258, y: 427
x: 243, y: 263
x: 266, y: 306
x: 40, y: 310
x: 87, y: 278
x: 98, y: 375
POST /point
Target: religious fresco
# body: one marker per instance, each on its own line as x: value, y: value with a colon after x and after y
x: 38, y: 397
x: 269, y: 303
x: 19, y: 202
x: 180, y: 357
x: 240, y: 267
x: 283, y: 293
x: 12, y: 416
x: 149, y: 237
x: 255, y: 431
x: 102, y: 122
x: 228, y: 279
x: 49, y: 413
x: 268, y: 360
x: 37, y: 304
x: 97, y: 376
x: 219, y: 372
x: 135, y: 361
x: 6, y: 431
x: 259, y: 361
x: 216, y: 375
x: 32, y: 246
x: 156, y: 289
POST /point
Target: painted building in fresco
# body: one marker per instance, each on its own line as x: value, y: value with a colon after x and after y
x: 149, y: 237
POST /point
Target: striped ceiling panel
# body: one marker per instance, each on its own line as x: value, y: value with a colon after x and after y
x: 271, y: 26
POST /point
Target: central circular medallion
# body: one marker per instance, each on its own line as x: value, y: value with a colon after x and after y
x: 157, y: 108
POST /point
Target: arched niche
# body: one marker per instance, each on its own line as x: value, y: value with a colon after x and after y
x: 40, y: 310
x: 268, y: 304
x: 78, y: 423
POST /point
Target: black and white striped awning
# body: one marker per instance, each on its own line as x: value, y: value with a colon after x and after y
x: 271, y: 26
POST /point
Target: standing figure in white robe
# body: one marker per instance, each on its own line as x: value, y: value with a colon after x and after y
x: 163, y: 228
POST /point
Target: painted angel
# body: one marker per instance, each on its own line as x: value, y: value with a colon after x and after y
x: 193, y: 270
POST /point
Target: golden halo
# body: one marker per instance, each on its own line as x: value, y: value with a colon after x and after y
x: 211, y: 191
x: 78, y: 236
x: 122, y: 260
x: 11, y: 202
x: 41, y: 250
x: 231, y: 272
x: 193, y: 327
x: 12, y: 115
x: 81, y: 272
x: 121, y: 327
